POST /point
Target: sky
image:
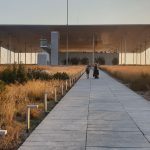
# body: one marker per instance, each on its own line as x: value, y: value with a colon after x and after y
x: 81, y: 12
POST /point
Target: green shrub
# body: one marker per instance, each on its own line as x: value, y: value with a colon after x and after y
x: 2, y: 86
x: 74, y: 61
x: 84, y: 61
x: 38, y: 74
x: 14, y: 74
x: 142, y: 83
x: 21, y: 74
x: 7, y: 75
x: 100, y: 60
x: 61, y: 76
x: 115, y: 61
x: 64, y: 61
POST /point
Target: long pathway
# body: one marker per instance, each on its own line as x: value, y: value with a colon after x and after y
x: 96, y: 114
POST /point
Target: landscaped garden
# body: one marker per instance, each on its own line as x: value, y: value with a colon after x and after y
x: 135, y: 77
x: 23, y: 85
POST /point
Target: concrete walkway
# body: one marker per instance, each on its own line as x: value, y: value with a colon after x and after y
x: 96, y: 114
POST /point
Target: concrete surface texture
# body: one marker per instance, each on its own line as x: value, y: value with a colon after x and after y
x: 96, y: 114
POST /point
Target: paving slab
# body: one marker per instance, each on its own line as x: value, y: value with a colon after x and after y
x: 116, y: 139
x: 96, y: 114
x: 100, y: 148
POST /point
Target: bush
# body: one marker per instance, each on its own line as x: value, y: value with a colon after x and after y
x: 74, y: 61
x: 115, y: 61
x: 14, y: 74
x: 38, y: 74
x: 61, y: 76
x: 100, y: 60
x: 141, y: 84
x: 64, y: 61
x: 84, y: 61
x: 7, y: 75
x: 21, y: 74
x: 2, y: 86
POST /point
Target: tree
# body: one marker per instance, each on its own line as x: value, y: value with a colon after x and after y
x: 100, y: 60
x: 115, y: 61
x: 84, y: 61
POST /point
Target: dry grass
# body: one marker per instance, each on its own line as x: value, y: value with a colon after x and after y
x: 14, y: 99
x: 70, y: 70
x: 138, y: 77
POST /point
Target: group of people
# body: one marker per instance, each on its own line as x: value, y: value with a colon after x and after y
x: 95, y: 71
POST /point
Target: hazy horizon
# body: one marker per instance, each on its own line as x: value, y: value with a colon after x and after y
x: 81, y: 12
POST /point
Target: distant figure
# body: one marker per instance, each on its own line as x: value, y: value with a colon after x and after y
x: 95, y: 72
x: 87, y: 70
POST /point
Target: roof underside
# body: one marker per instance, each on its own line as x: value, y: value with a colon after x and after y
x: 26, y: 38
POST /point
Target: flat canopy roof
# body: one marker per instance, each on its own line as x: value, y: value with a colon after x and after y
x: 80, y: 37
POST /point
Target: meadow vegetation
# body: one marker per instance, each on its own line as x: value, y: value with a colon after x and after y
x: 19, y: 86
x: 136, y: 77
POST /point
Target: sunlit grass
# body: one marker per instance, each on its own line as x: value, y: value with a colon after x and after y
x: 138, y: 77
x: 14, y: 99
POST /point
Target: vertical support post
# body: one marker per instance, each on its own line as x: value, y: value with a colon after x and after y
x: 62, y: 89
x: 93, y: 58
x: 133, y: 57
x: 14, y: 55
x: 140, y: 54
x: 67, y: 36
x: 136, y: 56
x: 9, y: 50
x: 35, y: 58
x: 70, y: 82
x: 45, y: 102
x: 125, y: 50
x: 31, y: 56
x: 0, y: 52
x: 66, y: 85
x: 25, y: 52
x: 18, y: 57
x: 145, y: 53
x: 121, y: 51
x: 28, y: 119
x: 55, y: 95
x: 29, y: 107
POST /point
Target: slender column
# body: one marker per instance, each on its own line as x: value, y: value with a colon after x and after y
x: 35, y: 58
x: 136, y: 56
x: 31, y: 56
x: 93, y: 58
x: 125, y: 50
x: 45, y: 102
x: 0, y: 51
x: 121, y: 50
x: 25, y: 52
x: 18, y: 56
x: 10, y: 50
x: 133, y: 57
x: 140, y: 54
x: 55, y: 95
x: 14, y: 55
x: 67, y: 36
x: 145, y: 52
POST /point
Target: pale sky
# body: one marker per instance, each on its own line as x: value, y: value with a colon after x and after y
x: 53, y: 12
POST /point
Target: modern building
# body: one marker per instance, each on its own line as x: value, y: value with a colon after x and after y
x: 21, y: 43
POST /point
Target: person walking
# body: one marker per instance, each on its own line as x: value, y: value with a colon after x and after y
x: 87, y: 70
x: 96, y: 72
